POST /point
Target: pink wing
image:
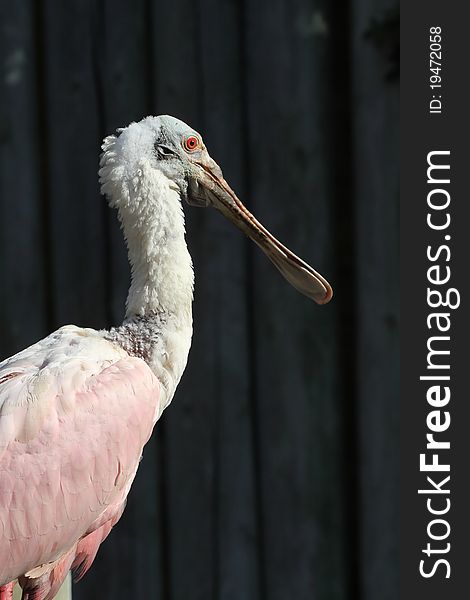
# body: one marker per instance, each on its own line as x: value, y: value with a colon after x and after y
x: 75, y: 413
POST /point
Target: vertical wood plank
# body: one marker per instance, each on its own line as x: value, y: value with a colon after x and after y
x: 76, y: 217
x: 23, y: 312
x: 377, y: 196
x: 298, y: 384
x: 236, y: 537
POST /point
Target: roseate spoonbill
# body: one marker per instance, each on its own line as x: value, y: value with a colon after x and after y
x: 77, y: 407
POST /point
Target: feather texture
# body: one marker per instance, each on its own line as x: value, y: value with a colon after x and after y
x: 75, y: 413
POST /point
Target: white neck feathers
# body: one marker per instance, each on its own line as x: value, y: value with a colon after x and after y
x: 161, y: 266
x: 152, y: 218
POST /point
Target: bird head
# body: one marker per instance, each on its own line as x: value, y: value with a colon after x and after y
x: 168, y: 149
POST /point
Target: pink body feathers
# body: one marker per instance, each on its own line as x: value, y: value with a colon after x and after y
x: 75, y: 413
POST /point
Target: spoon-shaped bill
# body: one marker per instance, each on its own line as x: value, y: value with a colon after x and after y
x: 297, y: 272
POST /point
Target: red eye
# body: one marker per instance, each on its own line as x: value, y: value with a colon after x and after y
x: 191, y: 143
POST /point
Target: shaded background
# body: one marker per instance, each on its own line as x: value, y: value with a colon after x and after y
x: 273, y: 475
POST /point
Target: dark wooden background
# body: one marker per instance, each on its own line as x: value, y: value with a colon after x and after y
x: 274, y: 473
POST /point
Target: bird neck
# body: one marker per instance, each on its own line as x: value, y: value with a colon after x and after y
x: 162, y: 274
x: 158, y: 323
